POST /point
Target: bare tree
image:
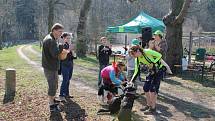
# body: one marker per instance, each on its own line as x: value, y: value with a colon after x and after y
x: 173, y: 21
x: 51, y: 13
x: 51, y: 5
x: 81, y: 29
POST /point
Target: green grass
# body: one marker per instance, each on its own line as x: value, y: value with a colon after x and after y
x: 9, y: 58
x: 27, y: 78
x: 36, y: 46
x: 31, y: 56
x: 90, y: 61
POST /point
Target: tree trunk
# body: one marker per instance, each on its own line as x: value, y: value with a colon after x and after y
x: 81, y: 29
x: 173, y: 21
x: 174, y: 41
x: 1, y: 44
x: 50, y: 14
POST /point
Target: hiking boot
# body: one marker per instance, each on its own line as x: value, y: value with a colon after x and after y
x: 145, y: 108
x: 55, y: 108
x: 62, y: 99
x: 151, y: 111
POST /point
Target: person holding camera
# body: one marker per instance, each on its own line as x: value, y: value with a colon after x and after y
x: 160, y: 44
x: 66, y: 67
x: 50, y: 62
x: 104, y: 53
x: 152, y: 59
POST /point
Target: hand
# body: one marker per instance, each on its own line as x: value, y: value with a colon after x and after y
x: 130, y: 83
x: 65, y: 51
x: 71, y: 47
x: 150, y: 66
x: 123, y: 83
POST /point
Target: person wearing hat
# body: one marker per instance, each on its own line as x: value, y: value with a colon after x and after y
x: 50, y: 63
x: 160, y: 44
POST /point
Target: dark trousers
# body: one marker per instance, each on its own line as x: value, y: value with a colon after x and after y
x: 67, y: 75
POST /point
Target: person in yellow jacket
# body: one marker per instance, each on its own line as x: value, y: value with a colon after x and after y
x: 152, y: 59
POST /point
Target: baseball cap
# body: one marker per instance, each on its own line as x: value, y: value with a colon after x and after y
x: 158, y: 32
x: 135, y: 42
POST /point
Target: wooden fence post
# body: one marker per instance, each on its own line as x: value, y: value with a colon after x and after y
x: 190, y: 47
x: 10, y: 85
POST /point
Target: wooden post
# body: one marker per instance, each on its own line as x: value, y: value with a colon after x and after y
x: 10, y: 85
x: 96, y: 48
x: 190, y: 48
x: 203, y: 70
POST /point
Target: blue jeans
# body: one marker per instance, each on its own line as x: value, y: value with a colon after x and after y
x: 67, y: 75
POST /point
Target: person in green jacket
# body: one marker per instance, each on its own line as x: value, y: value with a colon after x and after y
x: 152, y: 59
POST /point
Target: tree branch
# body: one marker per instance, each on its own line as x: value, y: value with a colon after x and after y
x: 56, y: 2
x: 182, y: 14
x: 59, y: 3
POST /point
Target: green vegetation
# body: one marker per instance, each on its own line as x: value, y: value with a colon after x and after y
x: 27, y: 78
x: 90, y: 61
x: 37, y: 47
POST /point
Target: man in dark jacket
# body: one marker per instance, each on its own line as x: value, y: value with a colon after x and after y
x: 50, y: 63
x: 104, y: 53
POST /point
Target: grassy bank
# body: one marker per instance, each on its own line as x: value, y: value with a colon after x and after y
x: 29, y: 82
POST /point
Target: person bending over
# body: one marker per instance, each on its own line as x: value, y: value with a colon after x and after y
x: 152, y: 59
x: 113, y: 77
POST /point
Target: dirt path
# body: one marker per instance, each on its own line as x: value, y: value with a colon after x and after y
x: 179, y: 100
x: 38, y: 66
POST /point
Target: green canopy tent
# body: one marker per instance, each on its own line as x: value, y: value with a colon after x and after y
x: 135, y: 25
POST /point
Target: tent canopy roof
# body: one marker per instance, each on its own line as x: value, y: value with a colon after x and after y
x: 139, y: 22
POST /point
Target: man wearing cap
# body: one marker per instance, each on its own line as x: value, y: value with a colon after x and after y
x: 50, y: 63
x: 160, y: 44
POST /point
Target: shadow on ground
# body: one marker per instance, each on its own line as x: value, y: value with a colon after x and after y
x: 196, y: 76
x: 54, y: 116
x: 172, y: 82
x: 72, y: 110
x: 163, y: 114
x: 190, y: 109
